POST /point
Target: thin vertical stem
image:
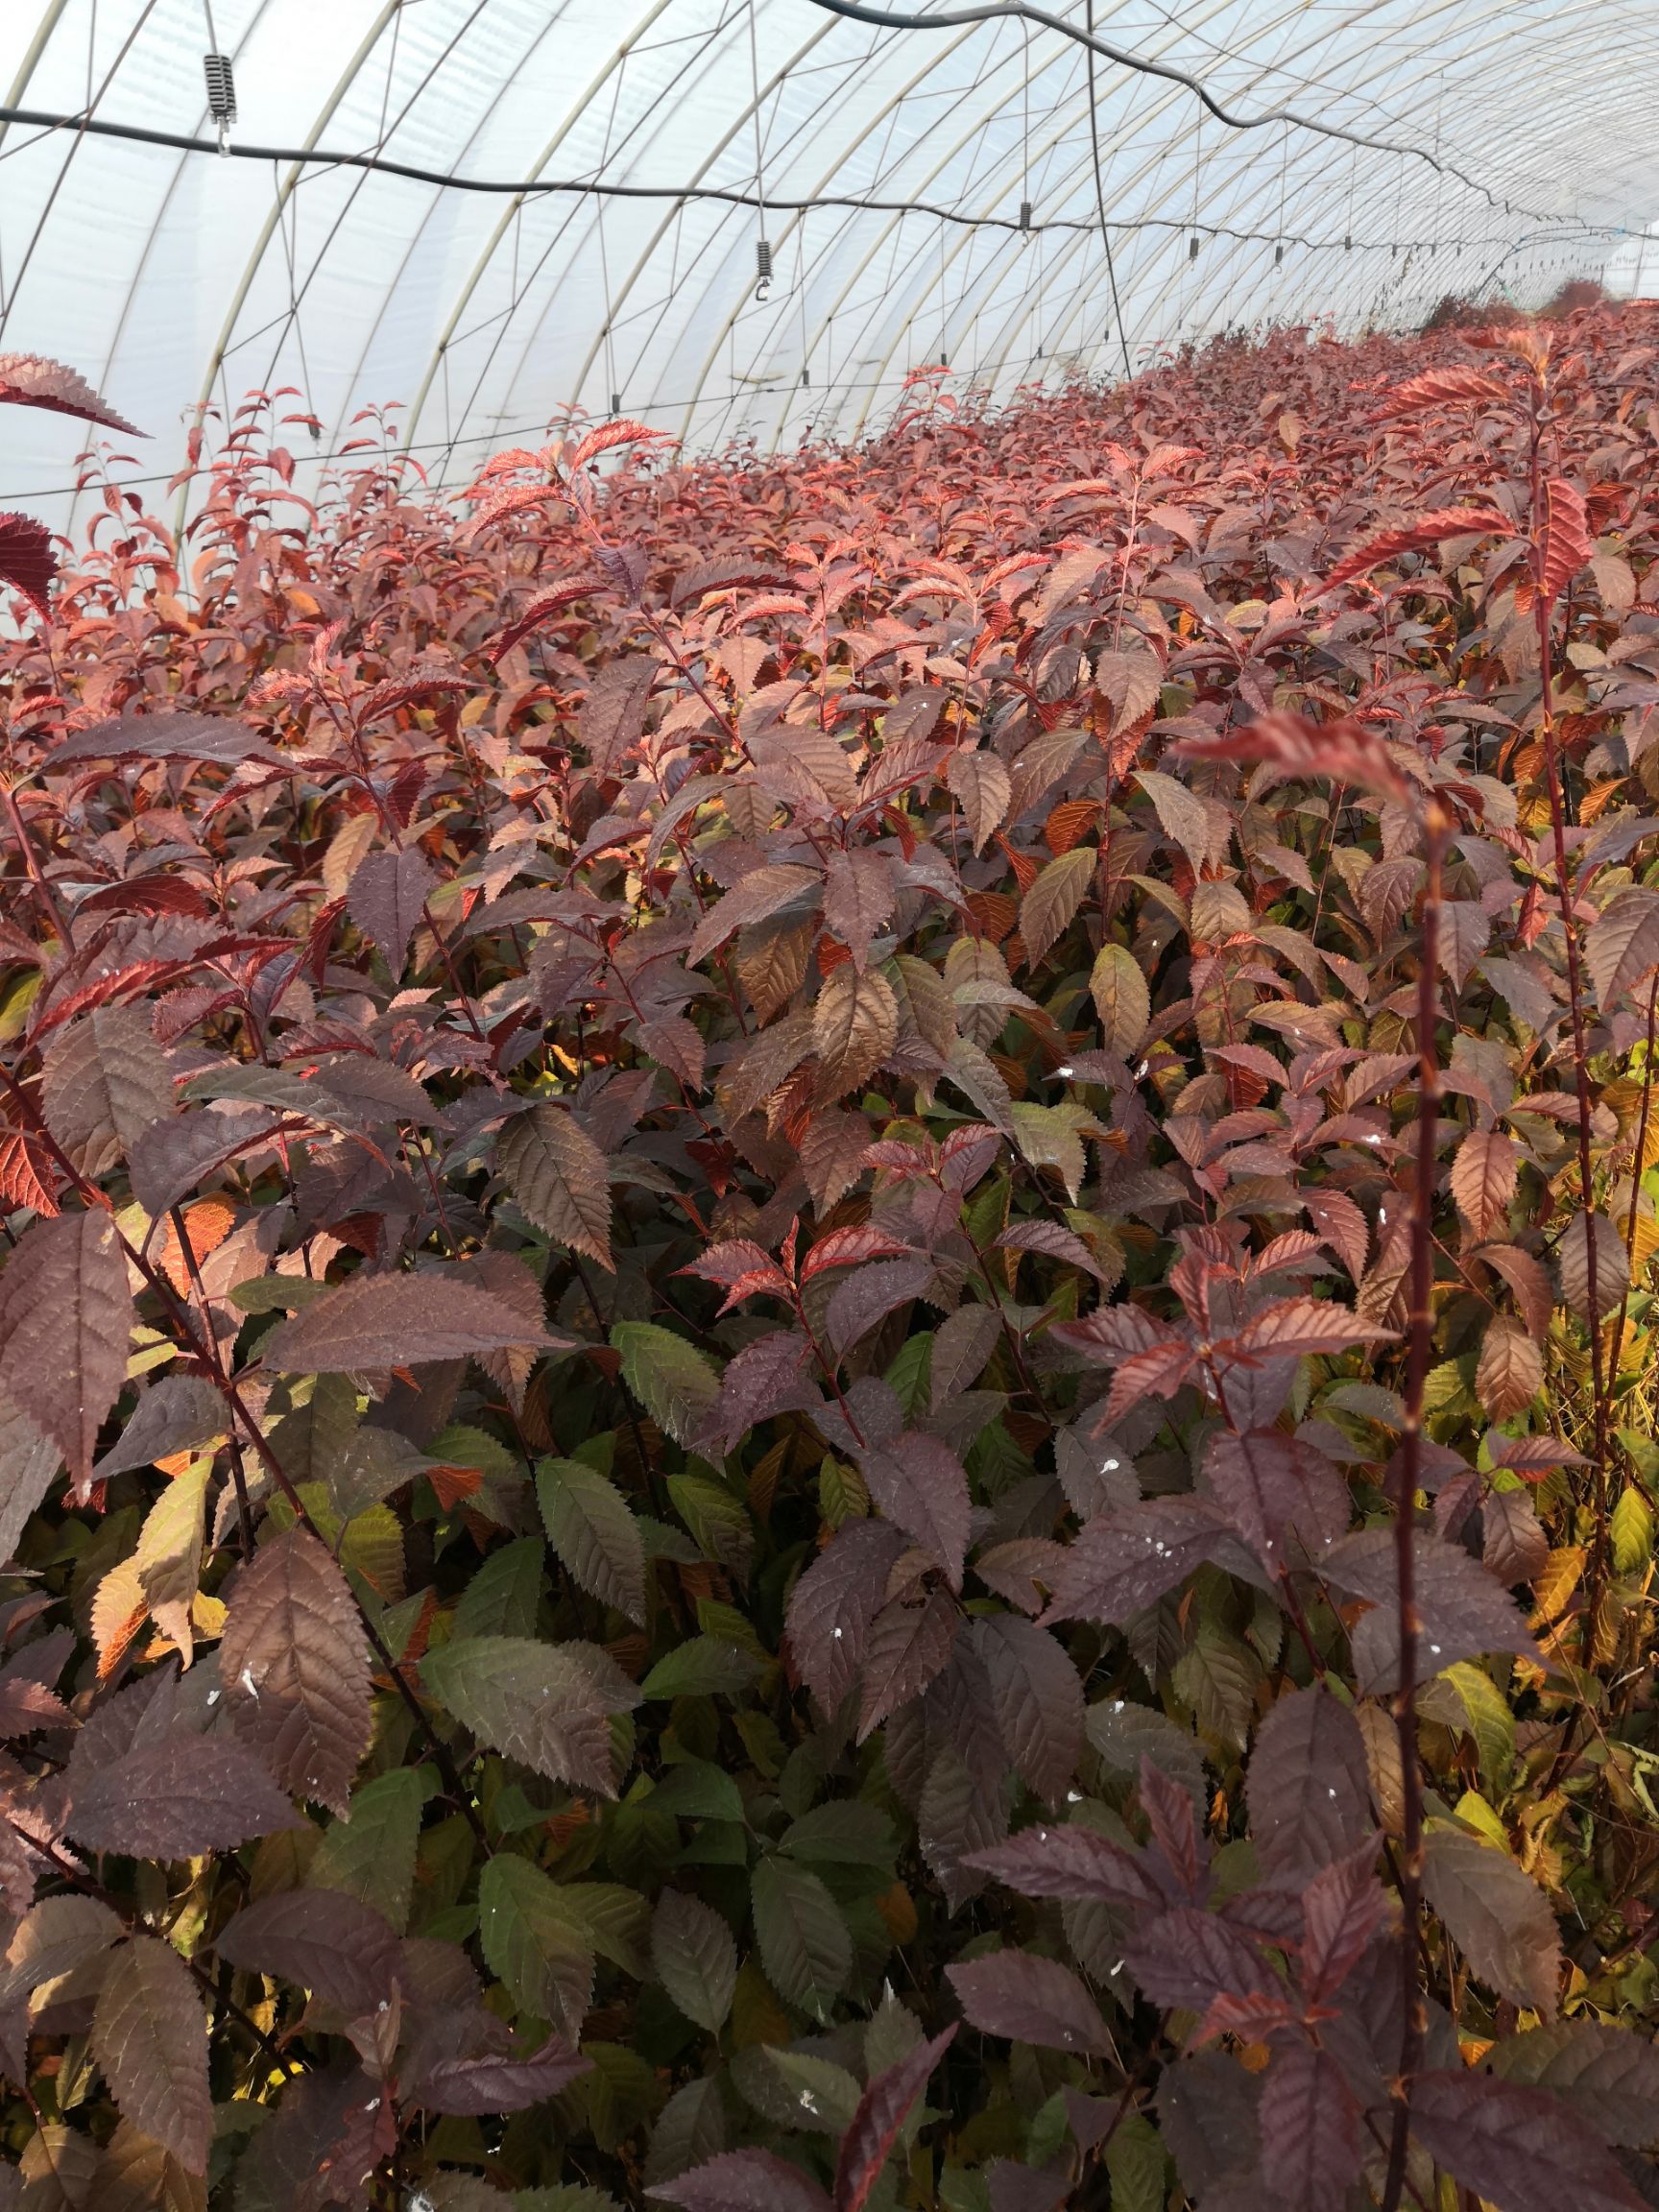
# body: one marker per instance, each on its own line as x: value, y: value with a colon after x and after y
x: 1641, y: 1120
x: 1420, y: 1352
x: 1542, y: 610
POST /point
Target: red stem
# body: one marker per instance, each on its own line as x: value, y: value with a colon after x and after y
x: 1420, y: 1352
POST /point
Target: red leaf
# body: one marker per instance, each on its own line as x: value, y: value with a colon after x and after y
x: 847, y: 1247
x: 328, y: 1940
x: 1564, y: 542
x: 1416, y: 537
x: 1299, y: 1326
x: 541, y: 608
x: 1444, y: 388
x: 28, y: 380
x: 27, y: 560
x: 295, y: 1663
x: 881, y: 2112
x: 921, y: 1484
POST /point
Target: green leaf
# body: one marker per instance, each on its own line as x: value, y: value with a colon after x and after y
x: 1135, y: 2165
x: 677, y: 1385
x: 505, y: 1595
x: 695, y: 1957
x: 372, y: 1854
x: 804, y: 1945
x: 704, y: 1667
x: 532, y: 1946
x: 719, y: 1522
x: 1632, y: 1529
x: 1491, y: 1722
x: 610, y: 1919
x: 844, y: 1833
x: 698, y: 1790
x: 590, y: 1527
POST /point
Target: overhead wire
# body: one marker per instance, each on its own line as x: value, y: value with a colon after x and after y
x: 592, y: 187
x: 997, y: 10
x: 1100, y: 194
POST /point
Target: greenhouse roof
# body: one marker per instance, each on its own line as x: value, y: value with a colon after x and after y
x: 547, y: 205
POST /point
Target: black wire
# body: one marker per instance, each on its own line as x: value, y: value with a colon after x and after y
x: 951, y: 18
x: 590, y: 187
x: 1100, y: 198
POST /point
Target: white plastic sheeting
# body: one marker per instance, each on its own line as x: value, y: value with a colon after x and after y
x: 175, y: 279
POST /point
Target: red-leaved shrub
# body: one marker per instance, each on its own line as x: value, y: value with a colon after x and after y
x: 824, y: 1342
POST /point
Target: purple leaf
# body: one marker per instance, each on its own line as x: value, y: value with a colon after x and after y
x: 387, y: 895
x: 1123, y: 1562
x: 326, y: 1940
x: 1310, y: 2121
x: 177, y: 1798
x: 499, y: 2081
x: 1071, y: 1862
x: 908, y: 1647
x: 1268, y: 1484
x: 921, y: 1486
x: 834, y: 1603
x: 869, y: 1295
x: 1521, y: 2147
x: 1030, y: 2000
x: 1037, y: 1698
x: 1188, y: 1958
x: 1307, y: 1786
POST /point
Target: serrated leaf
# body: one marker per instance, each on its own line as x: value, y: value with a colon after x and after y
x: 65, y: 1318
x: 880, y: 2114
x: 371, y: 1854
x: 177, y: 1798
x: 1307, y: 1785
x: 672, y: 1379
x: 150, y: 2037
x: 532, y: 1945
x: 295, y: 1663
x: 548, y: 1705
x: 744, y: 2181
x: 1608, y: 2076
x: 1498, y: 1916
x: 1484, y: 1171
x: 1121, y: 997
x: 378, y: 1321
x: 104, y: 1081
x: 590, y: 1527
x: 804, y: 1945
x: 1030, y: 2000
x: 701, y: 1667
x: 327, y: 1941
x: 854, y: 1027
x: 1592, y: 1239
x: 1037, y: 1698
x: 559, y: 1176
x: 1311, y: 2144
x: 1521, y: 2147
x: 387, y: 900
x: 695, y: 1957
x: 1047, y: 909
